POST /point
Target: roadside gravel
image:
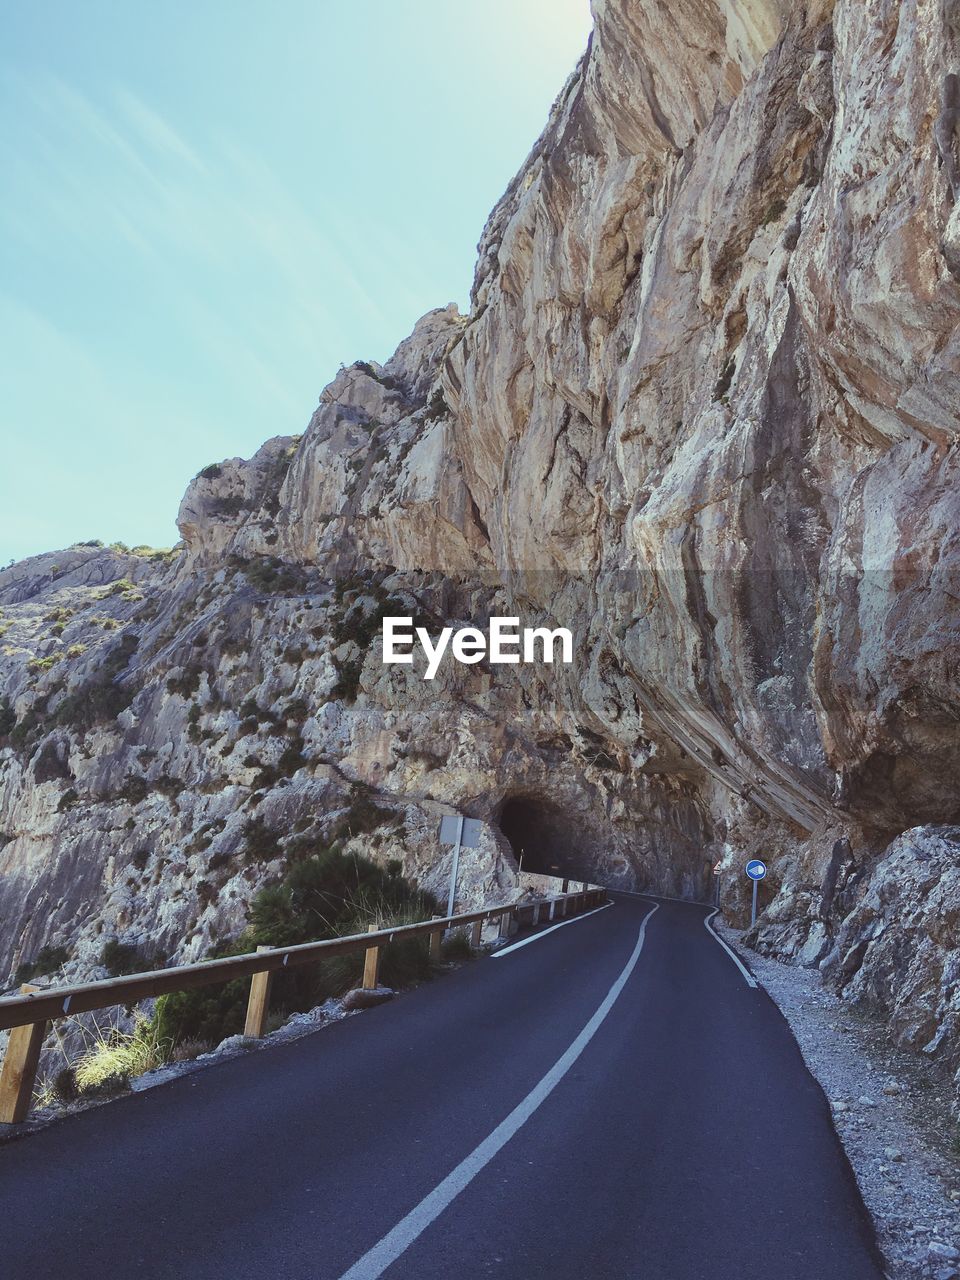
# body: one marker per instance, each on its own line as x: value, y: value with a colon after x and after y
x: 892, y: 1110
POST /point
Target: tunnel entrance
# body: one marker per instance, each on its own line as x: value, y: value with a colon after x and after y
x: 543, y: 838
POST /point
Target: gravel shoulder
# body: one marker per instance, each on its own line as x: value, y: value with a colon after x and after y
x: 892, y: 1110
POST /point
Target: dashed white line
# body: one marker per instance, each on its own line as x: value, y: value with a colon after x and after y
x: 750, y: 979
x: 396, y: 1242
x: 515, y: 946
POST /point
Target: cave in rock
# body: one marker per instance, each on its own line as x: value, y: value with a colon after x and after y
x: 543, y: 836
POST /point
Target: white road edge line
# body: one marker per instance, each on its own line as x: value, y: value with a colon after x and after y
x: 750, y: 979
x: 515, y: 946
x: 396, y: 1242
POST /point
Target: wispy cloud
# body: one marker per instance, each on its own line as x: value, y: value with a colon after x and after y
x: 157, y: 132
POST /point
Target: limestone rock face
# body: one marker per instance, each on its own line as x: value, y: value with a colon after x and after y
x: 898, y: 950
x: 703, y: 410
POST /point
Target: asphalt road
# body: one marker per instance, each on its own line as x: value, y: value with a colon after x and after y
x: 611, y: 1100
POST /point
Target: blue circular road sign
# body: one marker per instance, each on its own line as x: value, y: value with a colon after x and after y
x: 756, y: 869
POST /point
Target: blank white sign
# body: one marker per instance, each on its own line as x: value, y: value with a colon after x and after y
x: 471, y: 831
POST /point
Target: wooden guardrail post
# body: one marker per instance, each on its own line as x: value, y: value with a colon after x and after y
x: 258, y: 1005
x: 371, y: 963
x: 477, y: 936
x: 436, y: 941
x: 20, y: 1064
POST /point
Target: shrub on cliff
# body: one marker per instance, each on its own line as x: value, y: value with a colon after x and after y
x: 8, y: 718
x: 103, y: 697
x: 348, y: 680
x: 261, y: 843
x: 270, y: 574
x: 366, y: 814
x: 48, y: 959
x: 328, y: 894
x: 120, y: 958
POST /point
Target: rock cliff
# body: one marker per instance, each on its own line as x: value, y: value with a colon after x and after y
x: 703, y: 411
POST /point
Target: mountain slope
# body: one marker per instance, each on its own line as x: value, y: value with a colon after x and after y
x: 703, y: 411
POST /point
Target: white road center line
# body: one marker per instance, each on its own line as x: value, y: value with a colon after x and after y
x: 396, y: 1242
x: 751, y: 980
x: 515, y: 946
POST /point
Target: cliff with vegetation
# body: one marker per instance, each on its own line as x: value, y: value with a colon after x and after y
x: 703, y: 411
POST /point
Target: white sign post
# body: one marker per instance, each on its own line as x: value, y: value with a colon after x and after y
x: 461, y: 832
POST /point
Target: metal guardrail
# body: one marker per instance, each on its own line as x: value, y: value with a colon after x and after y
x: 26, y: 1015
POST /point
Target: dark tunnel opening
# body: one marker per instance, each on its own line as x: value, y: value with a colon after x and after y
x: 544, y: 840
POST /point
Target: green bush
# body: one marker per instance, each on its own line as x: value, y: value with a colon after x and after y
x: 48, y: 959
x: 49, y: 766
x: 209, y: 1013
x: 118, y: 588
x: 134, y: 789
x: 187, y: 683
x: 273, y: 481
x: 65, y: 1085
x: 269, y: 574
x: 261, y: 843
x: 115, y: 1058
x: 8, y: 718
x: 292, y: 757
x: 103, y: 697
x: 348, y: 680
x: 36, y: 665
x: 67, y: 800
x: 231, y: 505
x: 120, y: 958
x: 366, y: 814
x: 328, y: 894
x: 168, y: 785
x: 457, y: 946
x: 27, y: 729
x: 437, y: 406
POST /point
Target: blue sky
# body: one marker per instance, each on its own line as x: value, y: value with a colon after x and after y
x: 207, y: 205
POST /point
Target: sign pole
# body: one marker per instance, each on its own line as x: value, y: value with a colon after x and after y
x: 718, y: 868
x: 756, y: 870
x: 456, y: 868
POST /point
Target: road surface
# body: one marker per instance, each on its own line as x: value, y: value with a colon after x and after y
x: 610, y: 1100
